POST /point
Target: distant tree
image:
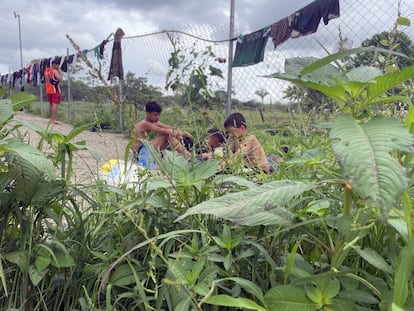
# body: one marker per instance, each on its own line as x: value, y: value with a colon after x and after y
x: 396, y: 41
x: 308, y: 99
x: 262, y: 93
x: 138, y: 92
x: 80, y: 91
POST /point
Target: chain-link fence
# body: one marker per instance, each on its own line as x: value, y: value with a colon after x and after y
x: 147, y: 55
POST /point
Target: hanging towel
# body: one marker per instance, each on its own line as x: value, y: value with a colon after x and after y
x: 281, y: 31
x: 250, y: 48
x: 116, y: 69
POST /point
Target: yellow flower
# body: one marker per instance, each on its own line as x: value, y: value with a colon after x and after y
x: 107, y: 166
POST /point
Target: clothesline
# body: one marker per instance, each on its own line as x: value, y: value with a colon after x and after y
x: 249, y: 48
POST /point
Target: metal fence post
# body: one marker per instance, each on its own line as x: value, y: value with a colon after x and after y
x: 230, y: 60
x: 69, y: 92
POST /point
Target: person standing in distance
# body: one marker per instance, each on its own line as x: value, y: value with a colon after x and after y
x: 53, y: 75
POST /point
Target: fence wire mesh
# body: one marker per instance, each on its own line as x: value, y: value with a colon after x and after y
x: 147, y: 54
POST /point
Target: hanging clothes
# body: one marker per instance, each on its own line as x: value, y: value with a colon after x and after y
x: 96, y: 51
x: 102, y: 48
x: 250, y: 48
x: 45, y: 63
x: 29, y: 74
x: 35, y: 73
x: 64, y: 65
x: 306, y: 20
x: 14, y: 78
x: 116, y: 69
x: 281, y: 31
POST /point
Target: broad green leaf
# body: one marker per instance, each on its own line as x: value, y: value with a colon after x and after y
x: 319, y: 207
x: 183, y: 305
x: 80, y: 145
x: 264, y: 205
x: 156, y: 184
x: 332, y: 289
x: 204, y: 170
x: 56, y: 137
x: 32, y: 155
x: 228, y: 261
x: 410, y: 119
x: 363, y: 150
x: 63, y: 260
x: 20, y: 258
x: 175, y: 166
x: 79, y: 129
x: 6, y: 111
x: 27, y: 181
x: 358, y: 295
x: 403, y: 273
x: 342, y: 305
x: 400, y: 225
x: 228, y: 301
x: 198, y: 267
x: 388, y: 81
x: 122, y: 276
x: 288, y: 298
x: 336, y: 92
x: 374, y: 259
x: 294, y: 66
x: 247, y: 285
x: 344, y: 53
x: 388, y: 99
x: 231, y: 179
x: 314, y: 294
x: 363, y: 74
x: 325, y: 75
x: 35, y: 275
x: 35, y: 128
x: 48, y: 191
x: 42, y: 262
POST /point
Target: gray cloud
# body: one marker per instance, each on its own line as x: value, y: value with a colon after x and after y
x: 45, y: 25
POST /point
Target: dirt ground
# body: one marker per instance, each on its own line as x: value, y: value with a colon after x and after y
x: 86, y: 164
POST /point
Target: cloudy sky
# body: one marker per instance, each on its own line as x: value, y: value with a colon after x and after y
x: 45, y: 23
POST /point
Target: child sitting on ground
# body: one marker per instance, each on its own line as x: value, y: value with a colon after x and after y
x: 244, y: 144
x: 215, y: 141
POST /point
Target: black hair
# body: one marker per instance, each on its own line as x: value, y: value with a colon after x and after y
x: 56, y: 61
x: 235, y: 120
x: 218, y: 134
x: 153, y: 106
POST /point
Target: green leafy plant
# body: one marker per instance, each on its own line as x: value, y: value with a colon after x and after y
x: 370, y: 152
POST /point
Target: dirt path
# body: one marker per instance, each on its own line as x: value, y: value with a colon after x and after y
x: 106, y: 146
